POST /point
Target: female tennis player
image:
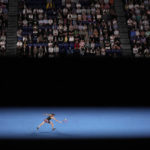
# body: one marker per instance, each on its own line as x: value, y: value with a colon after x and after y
x: 48, y: 120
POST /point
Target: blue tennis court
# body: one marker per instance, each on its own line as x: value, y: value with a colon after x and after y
x: 82, y: 123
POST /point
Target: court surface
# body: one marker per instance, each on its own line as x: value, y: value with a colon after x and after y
x: 82, y: 123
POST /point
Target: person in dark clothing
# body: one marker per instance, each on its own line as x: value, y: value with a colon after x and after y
x: 48, y: 120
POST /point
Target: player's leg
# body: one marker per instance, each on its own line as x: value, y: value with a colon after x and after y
x: 51, y: 123
x: 40, y: 125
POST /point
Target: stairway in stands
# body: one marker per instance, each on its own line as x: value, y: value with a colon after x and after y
x: 123, y: 29
x: 12, y: 28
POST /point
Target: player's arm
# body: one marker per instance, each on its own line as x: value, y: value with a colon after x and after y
x: 56, y: 120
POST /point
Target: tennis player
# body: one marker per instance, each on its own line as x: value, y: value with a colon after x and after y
x: 48, y: 120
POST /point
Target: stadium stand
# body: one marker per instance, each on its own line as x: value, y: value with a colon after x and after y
x: 67, y: 27
x: 50, y: 28
x: 138, y: 16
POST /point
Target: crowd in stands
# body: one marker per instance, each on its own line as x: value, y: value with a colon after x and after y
x: 3, y: 25
x: 138, y: 20
x: 67, y: 27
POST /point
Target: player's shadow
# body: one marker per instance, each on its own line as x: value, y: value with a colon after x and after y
x: 52, y: 134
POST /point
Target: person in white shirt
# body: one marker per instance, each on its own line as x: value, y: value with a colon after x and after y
x: 50, y: 47
x: 50, y: 38
x: 3, y: 37
x: 25, y: 23
x: 71, y: 39
x: 50, y: 21
x: 116, y: 33
x: 2, y: 45
x: 19, y: 44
